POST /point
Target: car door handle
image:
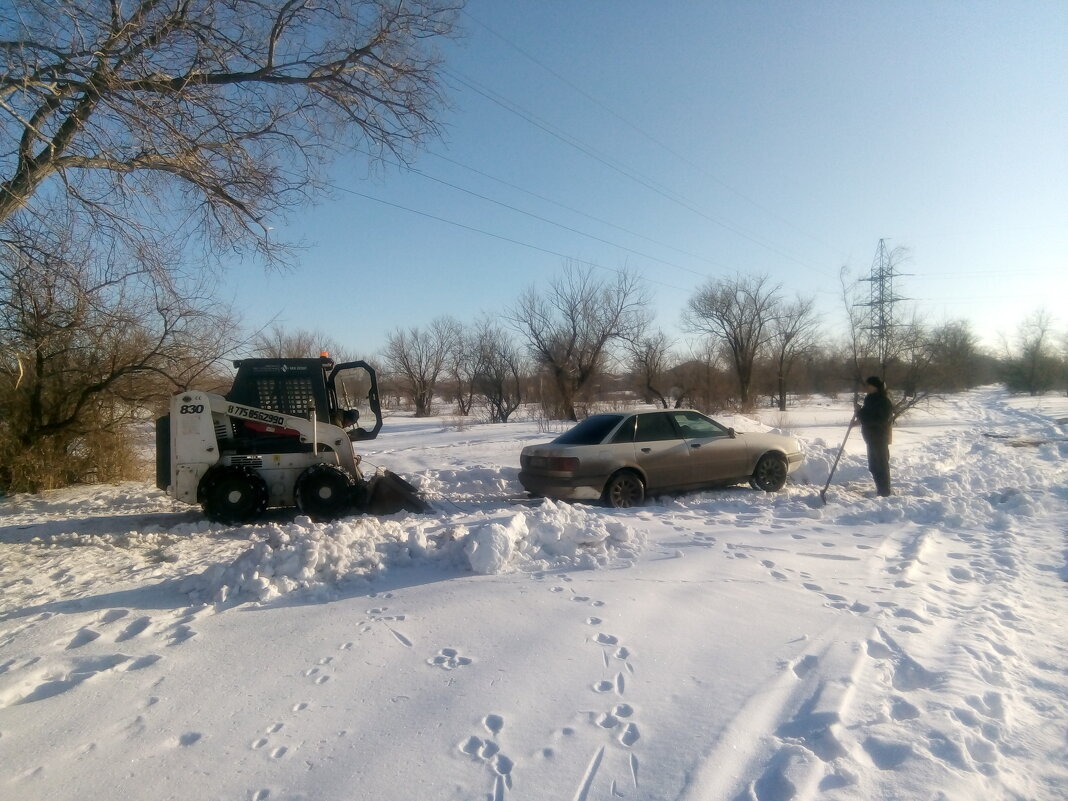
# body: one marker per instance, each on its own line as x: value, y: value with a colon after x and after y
x: 647, y: 450
x: 695, y: 444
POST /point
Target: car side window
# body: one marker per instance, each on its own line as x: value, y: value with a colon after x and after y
x: 625, y: 432
x: 696, y: 426
x: 654, y: 428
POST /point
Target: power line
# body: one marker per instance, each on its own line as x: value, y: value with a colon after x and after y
x: 501, y: 237
x: 538, y: 217
x: 635, y: 127
x: 579, y: 212
x: 648, y: 183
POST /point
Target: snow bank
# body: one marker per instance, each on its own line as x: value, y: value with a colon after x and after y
x: 558, y: 535
x: 320, y: 559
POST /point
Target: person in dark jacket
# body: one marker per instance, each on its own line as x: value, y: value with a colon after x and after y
x: 875, y: 417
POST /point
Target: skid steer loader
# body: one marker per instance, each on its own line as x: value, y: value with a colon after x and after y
x: 282, y: 436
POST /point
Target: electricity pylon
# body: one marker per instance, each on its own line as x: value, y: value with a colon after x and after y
x: 882, y: 300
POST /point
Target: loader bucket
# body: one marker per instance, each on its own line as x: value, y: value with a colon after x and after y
x: 389, y: 493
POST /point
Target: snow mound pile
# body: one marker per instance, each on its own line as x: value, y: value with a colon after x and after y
x: 468, y: 482
x: 130, y: 540
x: 319, y: 558
x: 819, y: 459
x: 553, y: 535
x: 310, y: 556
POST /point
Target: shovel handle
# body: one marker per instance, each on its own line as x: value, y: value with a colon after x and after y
x: 823, y: 492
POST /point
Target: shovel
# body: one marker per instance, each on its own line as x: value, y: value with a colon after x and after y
x: 823, y: 492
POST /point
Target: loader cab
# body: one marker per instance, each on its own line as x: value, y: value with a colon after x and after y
x: 343, y: 394
x: 288, y: 386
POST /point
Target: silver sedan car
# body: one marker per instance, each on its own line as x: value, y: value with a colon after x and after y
x: 620, y: 458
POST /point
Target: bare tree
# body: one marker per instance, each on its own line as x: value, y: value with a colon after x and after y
x: 499, y: 371
x: 912, y: 365
x: 461, y: 365
x: 157, y: 136
x: 738, y: 312
x: 278, y: 342
x: 701, y: 382
x: 570, y: 327
x: 955, y: 357
x: 221, y: 113
x: 1031, y: 366
x: 1064, y: 362
x: 649, y: 362
x: 794, y: 334
x: 88, y: 343
x: 417, y: 358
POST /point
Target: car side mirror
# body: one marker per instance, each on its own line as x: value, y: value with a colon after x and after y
x: 732, y: 433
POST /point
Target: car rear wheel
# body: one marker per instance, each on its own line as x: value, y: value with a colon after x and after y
x: 770, y: 473
x: 623, y: 490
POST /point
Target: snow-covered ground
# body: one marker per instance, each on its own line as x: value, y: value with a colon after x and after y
x: 720, y: 645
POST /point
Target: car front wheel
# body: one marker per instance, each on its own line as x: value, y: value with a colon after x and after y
x: 770, y: 473
x: 624, y: 490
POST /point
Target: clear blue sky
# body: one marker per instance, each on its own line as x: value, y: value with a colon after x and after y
x: 705, y: 140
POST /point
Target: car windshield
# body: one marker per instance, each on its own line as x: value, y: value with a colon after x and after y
x: 590, y: 431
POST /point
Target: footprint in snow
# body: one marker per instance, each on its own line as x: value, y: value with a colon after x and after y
x: 181, y: 633
x: 84, y: 636
x: 629, y: 736
x: 143, y: 662
x: 490, y: 754
x: 133, y: 629
x: 449, y: 659
x: 805, y: 665
x: 617, y: 685
x: 900, y: 709
x: 81, y: 670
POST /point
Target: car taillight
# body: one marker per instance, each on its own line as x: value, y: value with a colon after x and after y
x: 563, y: 464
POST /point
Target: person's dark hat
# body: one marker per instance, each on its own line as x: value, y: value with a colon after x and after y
x: 876, y: 382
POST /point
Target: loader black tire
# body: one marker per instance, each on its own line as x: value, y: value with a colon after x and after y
x: 324, y: 492
x: 232, y: 495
